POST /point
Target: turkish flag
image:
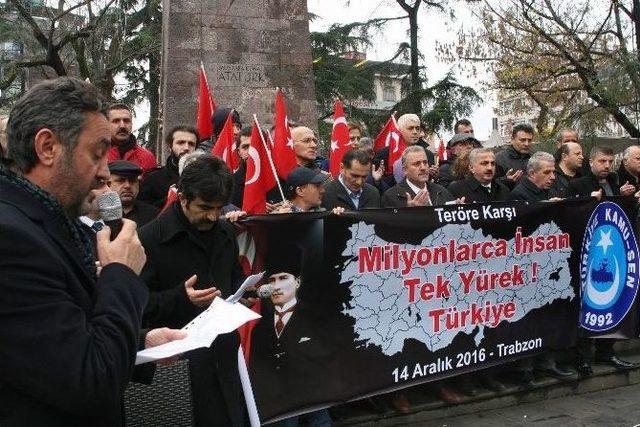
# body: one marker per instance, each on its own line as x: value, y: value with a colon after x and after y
x: 390, y: 137
x: 441, y: 150
x: 284, y: 157
x: 172, y: 196
x: 225, y: 146
x: 206, y: 107
x: 259, y: 178
x: 340, y: 142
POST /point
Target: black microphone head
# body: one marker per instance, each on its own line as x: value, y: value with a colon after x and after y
x: 110, y: 206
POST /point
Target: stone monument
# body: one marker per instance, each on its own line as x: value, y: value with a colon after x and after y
x: 248, y: 48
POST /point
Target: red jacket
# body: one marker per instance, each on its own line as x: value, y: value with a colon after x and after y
x: 136, y: 154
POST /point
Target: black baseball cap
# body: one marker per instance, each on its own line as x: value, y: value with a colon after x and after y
x: 463, y: 137
x: 302, y: 176
x: 124, y: 168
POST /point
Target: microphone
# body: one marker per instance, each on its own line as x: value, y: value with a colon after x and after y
x: 265, y: 291
x: 110, y: 208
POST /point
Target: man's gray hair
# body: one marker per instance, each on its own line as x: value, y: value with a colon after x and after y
x: 412, y: 149
x: 535, y: 161
x: 562, y: 131
x: 59, y: 105
x: 365, y: 144
x: 407, y: 118
x: 187, y: 159
x: 627, y: 151
x: 473, y: 154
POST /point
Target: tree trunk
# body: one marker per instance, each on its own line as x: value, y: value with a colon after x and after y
x: 416, y: 83
x: 153, y: 92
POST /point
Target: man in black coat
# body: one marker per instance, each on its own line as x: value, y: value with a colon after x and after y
x: 69, y: 338
x: 415, y: 189
x: 181, y: 140
x: 459, y: 144
x: 350, y: 190
x: 125, y: 180
x: 601, y: 181
x: 629, y: 170
x: 569, y: 160
x: 512, y: 161
x: 192, y: 259
x: 540, y: 175
x: 481, y: 185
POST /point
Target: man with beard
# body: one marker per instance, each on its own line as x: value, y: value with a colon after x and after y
x: 192, y: 258
x: 123, y: 143
x: 181, y: 140
x: 481, y: 185
x: 69, y: 337
x: 125, y: 180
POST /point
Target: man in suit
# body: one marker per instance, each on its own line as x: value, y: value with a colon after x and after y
x: 350, y: 190
x: 415, y: 189
x: 192, y: 258
x: 69, y: 337
x: 125, y: 180
x: 629, y: 170
x: 601, y: 180
x: 288, y: 348
x: 481, y: 185
x: 540, y: 175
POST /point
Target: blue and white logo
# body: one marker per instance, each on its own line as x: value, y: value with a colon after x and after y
x: 608, y: 268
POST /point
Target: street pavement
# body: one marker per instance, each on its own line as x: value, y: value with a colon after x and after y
x: 618, y: 407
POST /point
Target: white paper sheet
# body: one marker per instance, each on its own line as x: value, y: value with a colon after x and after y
x: 249, y: 281
x: 220, y: 318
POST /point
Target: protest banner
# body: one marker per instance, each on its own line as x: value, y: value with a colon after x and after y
x: 377, y: 300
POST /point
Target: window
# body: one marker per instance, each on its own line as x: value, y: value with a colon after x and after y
x: 388, y: 92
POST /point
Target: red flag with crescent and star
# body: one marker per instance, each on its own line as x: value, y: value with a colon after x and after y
x: 259, y: 178
x: 225, y: 146
x: 390, y: 137
x: 284, y: 157
x: 206, y: 107
x: 340, y: 142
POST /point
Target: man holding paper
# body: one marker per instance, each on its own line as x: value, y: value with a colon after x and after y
x: 192, y: 258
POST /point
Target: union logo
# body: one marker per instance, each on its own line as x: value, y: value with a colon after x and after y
x: 608, y: 268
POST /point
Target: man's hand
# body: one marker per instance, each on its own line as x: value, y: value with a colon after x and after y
x: 156, y: 337
x: 338, y: 210
x: 377, y: 172
x: 125, y: 249
x: 460, y: 200
x: 200, y: 297
x: 434, y: 171
x: 597, y: 194
x: 627, y: 189
x: 421, y: 199
x: 282, y: 207
x: 234, y: 216
x: 514, y: 176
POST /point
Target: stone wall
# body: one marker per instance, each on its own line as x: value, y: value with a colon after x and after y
x: 248, y: 48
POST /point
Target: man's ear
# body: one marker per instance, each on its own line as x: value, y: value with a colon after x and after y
x: 297, y: 282
x: 183, y: 200
x: 47, y: 146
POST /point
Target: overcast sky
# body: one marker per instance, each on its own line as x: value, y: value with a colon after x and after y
x: 434, y: 26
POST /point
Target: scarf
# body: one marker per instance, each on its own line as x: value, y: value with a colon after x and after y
x: 73, y: 227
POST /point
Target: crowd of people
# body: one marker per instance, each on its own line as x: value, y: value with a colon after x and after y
x: 73, y: 303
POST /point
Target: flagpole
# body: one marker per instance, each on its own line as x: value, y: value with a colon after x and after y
x: 268, y: 150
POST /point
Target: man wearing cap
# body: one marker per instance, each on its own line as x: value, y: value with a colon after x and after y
x: 481, y: 185
x: 304, y: 191
x: 181, y: 140
x: 459, y: 144
x: 289, y: 347
x: 415, y: 189
x: 350, y: 190
x: 125, y: 180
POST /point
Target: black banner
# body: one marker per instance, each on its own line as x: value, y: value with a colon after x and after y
x: 376, y: 300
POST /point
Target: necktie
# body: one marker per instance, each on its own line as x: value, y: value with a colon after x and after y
x: 97, y: 226
x: 279, y: 322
